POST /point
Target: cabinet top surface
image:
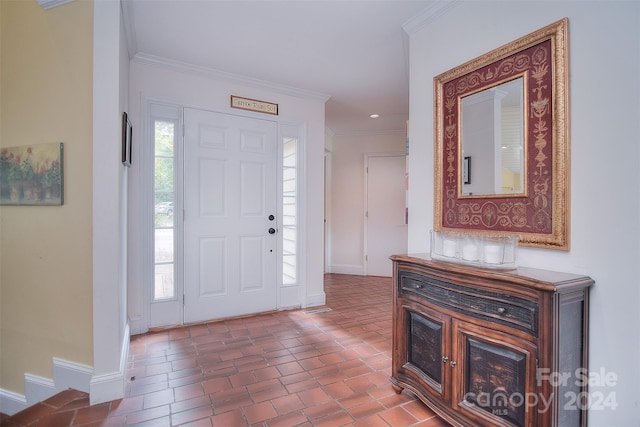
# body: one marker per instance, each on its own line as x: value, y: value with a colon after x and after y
x: 540, y: 279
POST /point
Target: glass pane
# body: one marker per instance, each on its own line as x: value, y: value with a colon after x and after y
x: 164, y: 138
x: 163, y: 174
x: 164, y: 209
x: 289, y: 211
x: 164, y: 245
x: 163, y: 288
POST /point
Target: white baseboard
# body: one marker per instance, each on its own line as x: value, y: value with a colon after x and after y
x: 66, y: 375
x: 110, y: 386
x: 357, y: 270
x: 136, y: 325
x: 315, y: 300
x: 37, y: 389
x: 71, y: 375
x: 11, y: 403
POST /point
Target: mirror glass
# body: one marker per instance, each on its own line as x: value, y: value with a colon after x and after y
x: 492, y: 139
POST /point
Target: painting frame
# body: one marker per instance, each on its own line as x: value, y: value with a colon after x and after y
x: 540, y: 216
x: 32, y: 175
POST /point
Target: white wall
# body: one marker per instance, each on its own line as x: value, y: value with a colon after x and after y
x: 347, y: 196
x: 604, y: 43
x: 187, y: 86
x: 110, y: 327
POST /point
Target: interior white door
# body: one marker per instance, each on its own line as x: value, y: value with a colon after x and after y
x: 230, y: 205
x: 386, y: 229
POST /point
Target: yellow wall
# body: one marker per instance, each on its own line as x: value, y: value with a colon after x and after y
x: 46, y: 252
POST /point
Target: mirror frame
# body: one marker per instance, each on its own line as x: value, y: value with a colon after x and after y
x: 540, y: 216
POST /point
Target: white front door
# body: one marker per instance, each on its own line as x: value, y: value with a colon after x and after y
x: 386, y: 228
x: 230, y: 205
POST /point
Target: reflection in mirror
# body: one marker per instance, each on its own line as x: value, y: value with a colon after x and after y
x: 492, y: 135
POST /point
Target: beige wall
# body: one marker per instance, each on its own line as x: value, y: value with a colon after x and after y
x: 46, y: 262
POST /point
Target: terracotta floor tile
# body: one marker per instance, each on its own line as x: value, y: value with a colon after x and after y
x: 188, y: 392
x: 160, y: 412
x: 365, y: 410
x: 314, y: 397
x: 260, y: 412
x: 63, y: 398
x: 291, y: 419
x: 287, y: 404
x: 126, y: 405
x: 185, y: 405
x: 296, y: 378
x: 216, y: 385
x: 302, y: 385
x: 340, y: 418
x: 158, y: 398
x: 338, y: 390
x: 322, y: 411
x: 398, y: 417
x: 300, y: 368
x: 35, y: 412
x: 205, y: 422
x: 231, y: 418
x: 92, y: 413
x: 290, y: 368
x: 191, y: 415
x: 56, y: 419
x: 372, y: 421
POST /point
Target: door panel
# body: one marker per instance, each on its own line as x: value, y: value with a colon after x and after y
x: 428, y: 344
x: 494, y: 379
x: 386, y: 230
x: 230, y: 257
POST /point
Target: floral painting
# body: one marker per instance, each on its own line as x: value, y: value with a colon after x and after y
x: 32, y: 175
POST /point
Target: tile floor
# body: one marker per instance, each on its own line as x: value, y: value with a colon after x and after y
x: 292, y: 368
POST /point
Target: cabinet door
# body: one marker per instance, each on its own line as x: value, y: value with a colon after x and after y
x: 426, y: 349
x: 493, y: 376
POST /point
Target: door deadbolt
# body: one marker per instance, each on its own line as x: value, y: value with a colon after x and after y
x: 271, y: 217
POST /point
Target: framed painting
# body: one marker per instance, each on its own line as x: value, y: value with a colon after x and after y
x: 32, y: 175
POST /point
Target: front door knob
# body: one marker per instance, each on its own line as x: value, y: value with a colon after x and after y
x: 272, y: 231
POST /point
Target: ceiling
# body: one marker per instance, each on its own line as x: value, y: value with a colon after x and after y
x: 353, y: 52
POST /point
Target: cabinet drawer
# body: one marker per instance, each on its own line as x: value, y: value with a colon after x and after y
x: 497, y: 308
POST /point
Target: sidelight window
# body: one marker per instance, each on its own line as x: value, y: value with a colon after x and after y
x: 164, y: 178
x: 289, y: 211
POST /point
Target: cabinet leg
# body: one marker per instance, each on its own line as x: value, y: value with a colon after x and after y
x: 397, y: 389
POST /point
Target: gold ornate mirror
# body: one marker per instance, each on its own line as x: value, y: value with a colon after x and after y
x: 502, y: 141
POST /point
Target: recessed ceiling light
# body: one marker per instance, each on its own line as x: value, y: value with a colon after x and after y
x: 374, y: 116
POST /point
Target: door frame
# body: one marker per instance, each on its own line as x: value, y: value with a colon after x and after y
x: 140, y: 293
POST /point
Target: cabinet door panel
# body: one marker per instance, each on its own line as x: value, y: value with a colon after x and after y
x: 425, y: 346
x: 428, y: 347
x: 494, y: 376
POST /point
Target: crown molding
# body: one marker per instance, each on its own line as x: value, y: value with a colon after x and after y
x: 429, y: 14
x: 161, y: 62
x: 49, y: 4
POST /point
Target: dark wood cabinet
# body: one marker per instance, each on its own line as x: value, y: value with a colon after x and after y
x: 483, y: 347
